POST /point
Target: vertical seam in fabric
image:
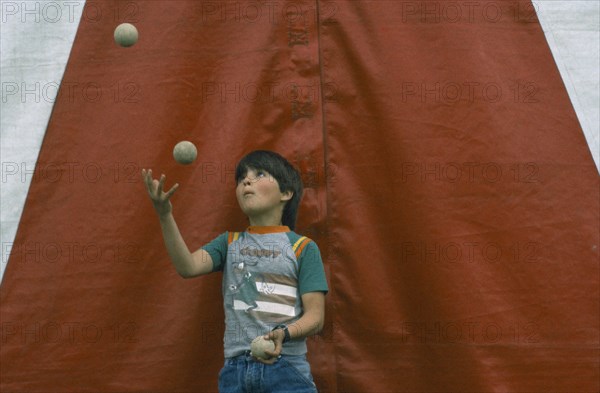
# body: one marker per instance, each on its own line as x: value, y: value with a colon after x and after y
x: 323, y: 113
x: 325, y: 162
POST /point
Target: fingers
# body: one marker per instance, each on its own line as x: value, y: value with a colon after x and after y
x: 164, y: 196
x: 147, y: 176
x: 172, y: 191
x: 144, y: 178
x: 155, y: 188
x: 272, y: 335
x: 161, y: 182
x: 150, y: 185
x: 273, y: 357
x: 277, y: 340
x: 274, y: 353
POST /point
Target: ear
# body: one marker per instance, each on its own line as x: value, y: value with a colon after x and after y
x: 287, y: 195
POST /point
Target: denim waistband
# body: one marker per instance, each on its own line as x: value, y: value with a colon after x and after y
x: 245, y: 356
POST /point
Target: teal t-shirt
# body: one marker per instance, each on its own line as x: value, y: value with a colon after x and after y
x: 266, y: 270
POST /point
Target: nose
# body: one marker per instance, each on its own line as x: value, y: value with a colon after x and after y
x: 246, y: 181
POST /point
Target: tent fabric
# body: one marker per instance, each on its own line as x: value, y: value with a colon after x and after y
x: 448, y: 185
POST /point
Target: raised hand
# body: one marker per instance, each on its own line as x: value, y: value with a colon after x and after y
x: 160, y: 199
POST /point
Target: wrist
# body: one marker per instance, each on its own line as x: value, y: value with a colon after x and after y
x: 286, y: 332
x: 164, y: 216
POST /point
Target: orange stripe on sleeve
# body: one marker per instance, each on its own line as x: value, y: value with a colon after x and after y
x: 301, y: 247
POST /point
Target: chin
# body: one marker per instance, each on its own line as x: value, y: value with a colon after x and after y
x: 248, y: 211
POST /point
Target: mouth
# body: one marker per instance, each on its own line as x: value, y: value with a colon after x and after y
x: 248, y: 193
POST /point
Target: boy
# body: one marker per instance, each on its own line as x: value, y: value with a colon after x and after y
x: 273, y: 279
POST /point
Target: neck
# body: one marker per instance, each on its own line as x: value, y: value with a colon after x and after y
x: 260, y: 222
x: 266, y: 220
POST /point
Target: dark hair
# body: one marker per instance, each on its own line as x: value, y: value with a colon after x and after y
x: 286, y: 175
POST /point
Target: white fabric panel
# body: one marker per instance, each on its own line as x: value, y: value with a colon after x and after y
x: 273, y: 308
x: 35, y: 41
x: 572, y: 29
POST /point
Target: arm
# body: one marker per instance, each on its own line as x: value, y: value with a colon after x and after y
x: 311, y: 322
x: 187, y: 264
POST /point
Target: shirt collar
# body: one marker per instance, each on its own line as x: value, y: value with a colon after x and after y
x: 261, y: 230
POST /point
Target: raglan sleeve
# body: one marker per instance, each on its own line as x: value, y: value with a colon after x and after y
x: 217, y: 249
x: 311, y: 273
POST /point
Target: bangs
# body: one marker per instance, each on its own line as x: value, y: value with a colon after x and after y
x: 258, y: 161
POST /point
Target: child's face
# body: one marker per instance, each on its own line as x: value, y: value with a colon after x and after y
x: 259, y: 196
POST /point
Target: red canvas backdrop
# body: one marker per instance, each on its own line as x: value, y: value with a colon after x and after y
x: 448, y: 185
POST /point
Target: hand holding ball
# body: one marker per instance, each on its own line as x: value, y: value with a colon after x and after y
x: 126, y: 34
x: 259, y: 346
x: 185, y: 152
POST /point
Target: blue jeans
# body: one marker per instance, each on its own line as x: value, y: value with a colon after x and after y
x: 290, y: 374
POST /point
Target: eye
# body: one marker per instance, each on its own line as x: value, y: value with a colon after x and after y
x: 261, y: 174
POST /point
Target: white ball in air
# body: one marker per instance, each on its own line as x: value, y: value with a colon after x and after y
x: 185, y: 152
x: 126, y: 34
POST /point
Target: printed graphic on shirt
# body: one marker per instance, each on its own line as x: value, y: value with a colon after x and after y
x: 259, y: 284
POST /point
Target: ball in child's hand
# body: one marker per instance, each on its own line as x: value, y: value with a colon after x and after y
x: 260, y: 345
x: 185, y: 152
x: 126, y: 34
